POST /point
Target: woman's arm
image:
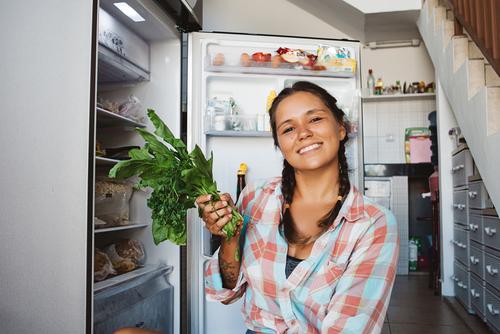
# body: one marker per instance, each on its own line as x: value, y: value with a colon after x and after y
x: 362, y: 294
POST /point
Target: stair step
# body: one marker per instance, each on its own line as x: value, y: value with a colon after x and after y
x: 491, y: 77
x: 460, y: 51
x: 474, y: 52
x: 448, y: 32
x: 493, y: 110
x: 439, y: 15
x: 449, y: 15
x: 476, y: 76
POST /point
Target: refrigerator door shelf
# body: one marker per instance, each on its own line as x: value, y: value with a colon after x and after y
x: 239, y: 133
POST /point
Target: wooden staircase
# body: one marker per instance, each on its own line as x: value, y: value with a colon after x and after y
x: 471, y: 86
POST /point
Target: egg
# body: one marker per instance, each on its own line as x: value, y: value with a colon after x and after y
x: 218, y: 59
x: 276, y: 61
x: 245, y: 60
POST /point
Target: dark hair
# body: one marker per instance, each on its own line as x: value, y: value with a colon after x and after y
x: 288, y: 173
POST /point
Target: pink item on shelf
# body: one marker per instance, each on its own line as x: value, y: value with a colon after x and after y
x: 420, y: 149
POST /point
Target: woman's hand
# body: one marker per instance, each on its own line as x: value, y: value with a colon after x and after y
x: 216, y: 214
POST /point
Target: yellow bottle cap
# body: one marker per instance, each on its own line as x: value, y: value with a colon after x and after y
x: 243, y: 168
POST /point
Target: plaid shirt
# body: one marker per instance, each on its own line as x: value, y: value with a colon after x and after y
x: 344, y: 286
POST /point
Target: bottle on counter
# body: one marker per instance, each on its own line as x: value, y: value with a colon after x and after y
x: 241, y: 182
x: 370, y: 83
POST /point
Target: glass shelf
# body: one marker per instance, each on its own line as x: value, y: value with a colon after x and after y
x: 377, y: 98
x: 108, y: 119
x: 119, y: 228
x: 105, y: 161
x: 239, y: 133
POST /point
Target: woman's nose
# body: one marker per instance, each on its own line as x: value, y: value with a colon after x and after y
x: 304, y: 132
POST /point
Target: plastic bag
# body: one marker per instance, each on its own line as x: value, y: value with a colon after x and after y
x: 126, y: 255
x: 336, y: 59
x: 132, y: 108
x: 112, y: 202
x: 102, y: 266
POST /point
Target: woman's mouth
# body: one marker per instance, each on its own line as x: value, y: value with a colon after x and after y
x: 309, y: 148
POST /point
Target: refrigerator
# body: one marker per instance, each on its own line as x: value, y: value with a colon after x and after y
x: 227, y: 115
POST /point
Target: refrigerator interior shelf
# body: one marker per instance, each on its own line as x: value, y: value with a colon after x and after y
x: 114, y: 68
x: 120, y: 228
x: 107, y: 119
x: 239, y: 133
x: 105, y: 161
x: 376, y: 98
x: 277, y: 71
x: 134, y: 275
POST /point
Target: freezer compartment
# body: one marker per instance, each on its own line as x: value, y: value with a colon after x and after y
x: 477, y: 295
x: 478, y: 196
x: 461, y: 245
x: 146, y: 301
x: 460, y: 207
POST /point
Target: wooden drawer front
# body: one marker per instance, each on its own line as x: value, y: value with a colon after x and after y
x: 492, y: 309
x: 461, y: 278
x: 491, y: 231
x: 492, y: 269
x: 476, y: 228
x: 478, y: 196
x: 462, y: 168
x: 460, y: 209
x: 460, y: 243
x: 476, y: 261
x: 477, y: 295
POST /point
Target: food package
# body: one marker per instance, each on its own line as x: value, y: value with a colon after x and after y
x: 126, y: 255
x: 132, y: 108
x: 102, y: 266
x: 112, y: 201
x: 336, y: 59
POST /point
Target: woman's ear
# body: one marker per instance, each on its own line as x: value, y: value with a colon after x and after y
x: 342, y: 132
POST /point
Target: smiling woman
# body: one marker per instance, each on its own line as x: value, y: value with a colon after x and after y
x: 317, y: 256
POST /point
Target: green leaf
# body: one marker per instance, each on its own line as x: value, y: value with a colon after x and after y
x: 156, y: 147
x: 139, y: 154
x: 128, y: 168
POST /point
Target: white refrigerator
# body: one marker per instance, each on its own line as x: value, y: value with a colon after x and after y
x: 217, y: 79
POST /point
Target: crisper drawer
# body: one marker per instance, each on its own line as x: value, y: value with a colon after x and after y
x: 477, y: 295
x: 460, y: 242
x: 476, y: 261
x: 475, y: 228
x: 478, y: 196
x: 462, y: 168
x: 461, y: 278
x: 492, y: 269
x: 460, y: 209
x: 491, y: 231
x: 492, y: 309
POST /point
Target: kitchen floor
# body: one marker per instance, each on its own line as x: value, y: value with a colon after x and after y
x: 415, y: 309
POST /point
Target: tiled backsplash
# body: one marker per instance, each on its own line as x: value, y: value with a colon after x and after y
x: 384, y: 125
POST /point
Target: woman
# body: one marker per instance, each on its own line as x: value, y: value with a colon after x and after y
x: 317, y: 257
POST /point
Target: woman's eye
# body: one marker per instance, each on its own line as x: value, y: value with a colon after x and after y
x: 287, y: 130
x: 316, y: 119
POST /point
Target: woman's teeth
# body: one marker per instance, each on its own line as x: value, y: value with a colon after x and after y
x: 308, y: 148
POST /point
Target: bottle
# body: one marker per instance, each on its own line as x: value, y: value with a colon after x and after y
x: 413, y: 254
x: 398, y: 87
x: 241, y: 183
x: 370, y: 84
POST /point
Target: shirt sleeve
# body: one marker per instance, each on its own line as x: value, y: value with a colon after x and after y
x: 362, y: 294
x: 213, y: 280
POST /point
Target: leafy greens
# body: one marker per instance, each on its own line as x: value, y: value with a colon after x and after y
x: 176, y: 177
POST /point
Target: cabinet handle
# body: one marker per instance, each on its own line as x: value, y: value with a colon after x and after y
x: 454, y: 278
x: 492, y: 310
x: 472, y: 194
x: 492, y: 271
x: 473, y: 260
x: 459, y: 206
x: 474, y: 293
x: 462, y: 285
x: 457, y: 168
x: 473, y: 227
x: 461, y: 245
x: 490, y: 231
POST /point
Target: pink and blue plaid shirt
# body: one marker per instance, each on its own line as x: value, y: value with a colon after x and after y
x: 344, y: 286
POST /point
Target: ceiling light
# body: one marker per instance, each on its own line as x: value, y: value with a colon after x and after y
x: 129, y: 11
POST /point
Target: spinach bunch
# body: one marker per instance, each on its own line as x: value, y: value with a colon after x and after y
x: 176, y: 177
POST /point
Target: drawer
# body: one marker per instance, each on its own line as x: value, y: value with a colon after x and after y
x: 461, y: 278
x: 477, y: 295
x: 476, y: 261
x: 491, y: 231
x: 492, y: 269
x: 492, y: 309
x: 476, y: 228
x: 460, y: 208
x: 461, y: 168
x: 460, y: 242
x: 478, y: 196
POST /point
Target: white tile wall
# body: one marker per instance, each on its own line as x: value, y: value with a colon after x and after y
x: 399, y: 206
x: 384, y: 124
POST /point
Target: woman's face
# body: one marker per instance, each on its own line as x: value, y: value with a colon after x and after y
x: 308, y: 134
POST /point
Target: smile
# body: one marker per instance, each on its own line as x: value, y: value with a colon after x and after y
x: 309, y: 148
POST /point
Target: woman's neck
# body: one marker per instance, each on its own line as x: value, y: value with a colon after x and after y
x: 317, y: 186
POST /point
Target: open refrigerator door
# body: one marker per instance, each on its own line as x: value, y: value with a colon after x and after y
x: 232, y: 79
